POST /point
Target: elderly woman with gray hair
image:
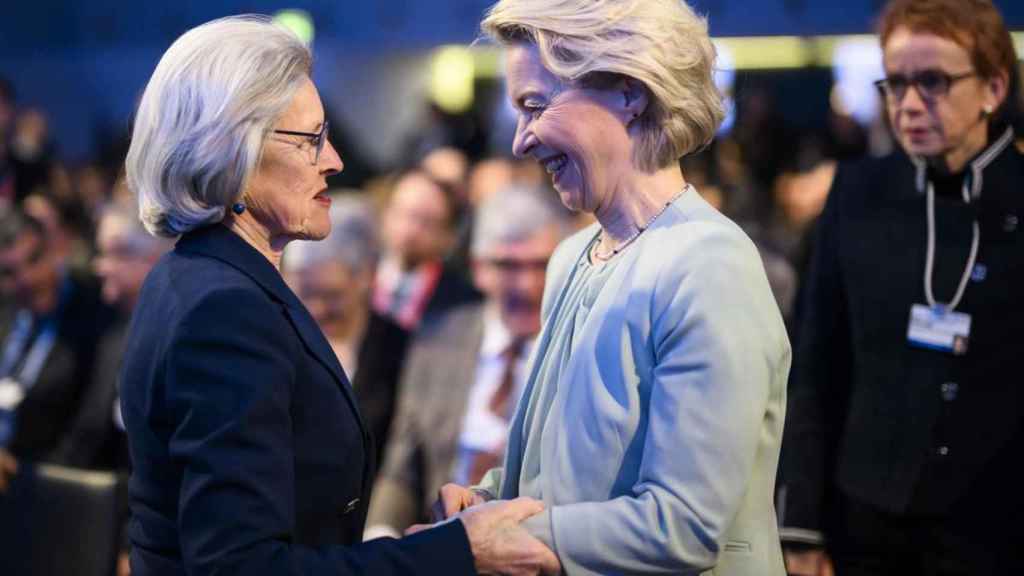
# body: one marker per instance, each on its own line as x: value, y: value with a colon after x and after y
x: 651, y: 421
x: 250, y: 455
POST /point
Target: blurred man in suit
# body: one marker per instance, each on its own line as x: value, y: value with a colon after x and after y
x: 453, y: 414
x: 50, y: 322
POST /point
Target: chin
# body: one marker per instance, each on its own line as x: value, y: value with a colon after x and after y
x: 925, y: 147
x: 571, y: 199
x: 317, y: 234
x: 317, y: 228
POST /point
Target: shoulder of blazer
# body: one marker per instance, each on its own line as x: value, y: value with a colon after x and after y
x: 868, y: 182
x: 459, y: 325
x: 220, y: 243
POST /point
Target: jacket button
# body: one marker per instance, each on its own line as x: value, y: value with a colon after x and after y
x: 942, y: 451
x: 949, y: 391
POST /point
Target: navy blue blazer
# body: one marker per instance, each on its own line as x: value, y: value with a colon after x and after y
x: 249, y: 453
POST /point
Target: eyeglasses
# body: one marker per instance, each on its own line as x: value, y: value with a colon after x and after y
x: 315, y: 138
x: 930, y: 84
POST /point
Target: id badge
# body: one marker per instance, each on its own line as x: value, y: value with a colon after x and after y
x: 937, y: 328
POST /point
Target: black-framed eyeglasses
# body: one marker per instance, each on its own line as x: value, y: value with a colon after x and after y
x: 315, y: 138
x: 930, y: 84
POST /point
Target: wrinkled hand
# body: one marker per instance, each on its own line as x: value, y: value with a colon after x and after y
x: 8, y: 468
x: 452, y: 499
x: 813, y: 562
x: 499, y: 544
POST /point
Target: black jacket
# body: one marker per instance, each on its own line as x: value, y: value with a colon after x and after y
x: 50, y: 405
x: 249, y: 453
x: 381, y: 355
x: 910, y: 431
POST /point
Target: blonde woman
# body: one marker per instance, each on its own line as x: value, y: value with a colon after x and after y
x: 651, y: 420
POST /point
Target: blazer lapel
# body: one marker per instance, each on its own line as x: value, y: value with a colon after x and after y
x: 219, y: 242
x: 315, y: 342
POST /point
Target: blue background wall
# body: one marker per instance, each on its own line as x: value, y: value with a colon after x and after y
x: 85, y: 62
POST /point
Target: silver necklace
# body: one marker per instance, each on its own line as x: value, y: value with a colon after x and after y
x: 639, y: 230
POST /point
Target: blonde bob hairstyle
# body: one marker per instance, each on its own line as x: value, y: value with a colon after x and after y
x: 661, y: 43
x: 201, y: 123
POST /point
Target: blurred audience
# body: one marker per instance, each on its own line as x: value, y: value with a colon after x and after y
x: 419, y: 229
x: 50, y: 323
x: 450, y: 167
x: 453, y: 414
x: 125, y: 252
x: 333, y: 279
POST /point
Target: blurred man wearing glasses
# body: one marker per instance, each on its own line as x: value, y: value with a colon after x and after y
x: 453, y: 414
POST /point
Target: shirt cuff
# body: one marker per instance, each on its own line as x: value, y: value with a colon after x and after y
x: 539, y: 526
x: 801, y: 536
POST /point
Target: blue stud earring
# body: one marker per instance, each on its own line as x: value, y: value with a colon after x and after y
x: 238, y: 207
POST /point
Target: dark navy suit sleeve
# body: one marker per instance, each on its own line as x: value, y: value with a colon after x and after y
x: 228, y: 390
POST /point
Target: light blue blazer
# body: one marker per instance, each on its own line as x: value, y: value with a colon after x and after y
x: 660, y: 455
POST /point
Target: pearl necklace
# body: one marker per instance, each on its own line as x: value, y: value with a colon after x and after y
x: 639, y: 230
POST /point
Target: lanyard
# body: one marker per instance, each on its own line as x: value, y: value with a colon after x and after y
x: 24, y: 366
x: 17, y: 340
x: 24, y: 359
x: 929, y: 263
x: 971, y: 191
x: 37, y: 355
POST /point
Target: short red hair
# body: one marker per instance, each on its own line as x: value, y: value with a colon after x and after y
x: 976, y: 25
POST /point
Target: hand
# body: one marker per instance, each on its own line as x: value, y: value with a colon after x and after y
x: 124, y: 567
x: 500, y: 545
x: 8, y: 468
x: 813, y: 562
x: 452, y: 499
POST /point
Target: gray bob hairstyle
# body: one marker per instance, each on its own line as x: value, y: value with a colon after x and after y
x: 201, y: 123
x: 661, y: 43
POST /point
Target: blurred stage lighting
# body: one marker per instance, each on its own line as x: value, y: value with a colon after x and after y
x: 299, y: 22
x: 856, y: 64
x: 767, y: 52
x: 451, y: 78
x: 725, y: 80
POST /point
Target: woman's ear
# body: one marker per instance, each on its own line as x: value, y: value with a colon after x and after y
x: 635, y: 98
x: 996, y: 89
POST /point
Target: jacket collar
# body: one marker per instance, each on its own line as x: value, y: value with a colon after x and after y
x: 218, y: 242
x: 975, y: 167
